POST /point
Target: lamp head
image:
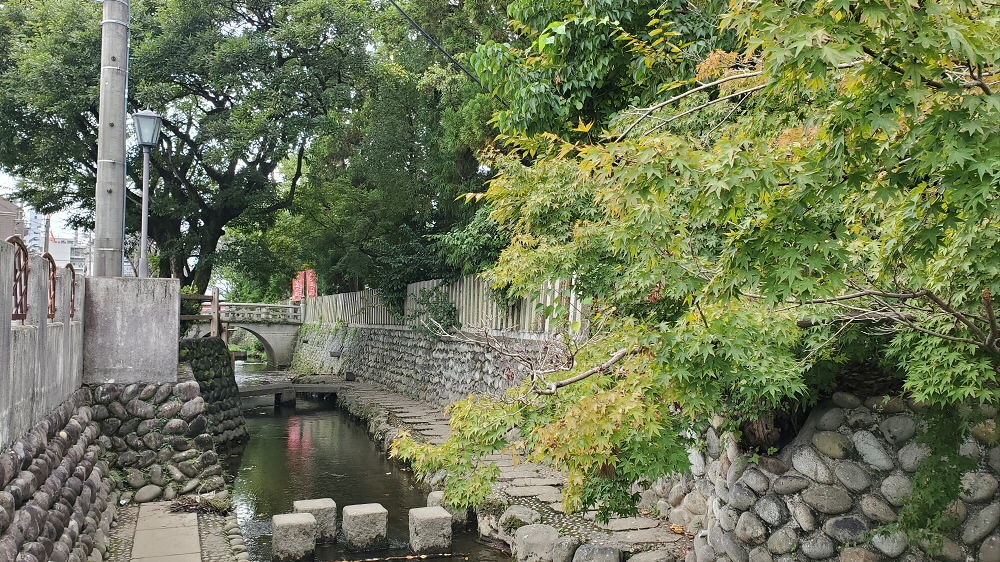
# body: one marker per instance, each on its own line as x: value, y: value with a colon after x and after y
x: 147, y: 128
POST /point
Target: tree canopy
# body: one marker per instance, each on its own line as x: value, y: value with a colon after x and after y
x: 242, y: 86
x: 772, y: 195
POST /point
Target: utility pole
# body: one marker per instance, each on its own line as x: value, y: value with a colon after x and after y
x: 48, y: 233
x: 109, y: 231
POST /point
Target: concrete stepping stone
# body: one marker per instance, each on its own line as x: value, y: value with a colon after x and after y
x: 325, y: 512
x: 365, y: 526
x: 430, y: 530
x: 647, y: 536
x: 537, y: 482
x: 293, y: 536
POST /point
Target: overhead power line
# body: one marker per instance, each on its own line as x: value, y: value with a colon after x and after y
x: 444, y: 51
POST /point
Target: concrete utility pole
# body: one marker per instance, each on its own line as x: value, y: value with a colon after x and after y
x: 109, y: 232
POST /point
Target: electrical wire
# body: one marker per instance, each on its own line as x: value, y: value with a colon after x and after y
x: 444, y: 51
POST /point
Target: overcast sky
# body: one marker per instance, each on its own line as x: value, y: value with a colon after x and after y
x: 59, y: 227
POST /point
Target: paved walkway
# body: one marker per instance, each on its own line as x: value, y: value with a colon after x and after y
x: 163, y: 536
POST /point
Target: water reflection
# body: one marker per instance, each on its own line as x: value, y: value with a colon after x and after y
x: 316, y: 451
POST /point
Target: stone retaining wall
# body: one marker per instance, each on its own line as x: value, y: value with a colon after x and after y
x: 157, y: 435
x: 57, y: 499
x: 211, y: 364
x: 825, y: 495
x: 435, y: 370
x: 163, y: 437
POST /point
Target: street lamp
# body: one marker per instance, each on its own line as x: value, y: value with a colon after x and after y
x: 147, y: 130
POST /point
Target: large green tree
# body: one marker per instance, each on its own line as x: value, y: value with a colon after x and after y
x: 823, y: 186
x: 243, y: 87
x: 379, y: 194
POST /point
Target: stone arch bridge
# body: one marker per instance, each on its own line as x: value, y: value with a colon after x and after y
x: 275, y: 325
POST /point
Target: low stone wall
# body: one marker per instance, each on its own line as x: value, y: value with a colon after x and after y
x: 163, y: 438
x: 825, y: 495
x: 210, y: 363
x: 158, y: 437
x: 57, y: 499
x: 436, y: 370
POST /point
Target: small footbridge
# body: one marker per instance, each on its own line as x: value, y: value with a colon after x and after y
x: 285, y: 393
x: 275, y: 325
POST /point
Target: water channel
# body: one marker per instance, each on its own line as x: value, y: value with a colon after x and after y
x: 315, y: 451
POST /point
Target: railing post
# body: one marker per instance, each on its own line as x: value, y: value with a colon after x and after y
x: 6, y: 306
x: 216, y: 326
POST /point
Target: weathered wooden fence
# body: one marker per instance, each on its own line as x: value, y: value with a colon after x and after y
x: 475, y: 304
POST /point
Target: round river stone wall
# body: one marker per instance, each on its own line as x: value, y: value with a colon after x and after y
x: 57, y: 496
x: 209, y: 362
x: 826, y: 495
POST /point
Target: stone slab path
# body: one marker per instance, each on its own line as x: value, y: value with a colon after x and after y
x: 152, y: 533
x: 535, y: 486
x: 164, y: 536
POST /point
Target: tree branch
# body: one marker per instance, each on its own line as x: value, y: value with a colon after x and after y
x: 615, y: 359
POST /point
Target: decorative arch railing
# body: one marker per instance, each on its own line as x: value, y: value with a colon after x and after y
x: 72, y: 290
x: 52, y: 284
x: 21, y: 270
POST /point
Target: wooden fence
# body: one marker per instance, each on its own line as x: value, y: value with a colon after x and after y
x: 474, y: 301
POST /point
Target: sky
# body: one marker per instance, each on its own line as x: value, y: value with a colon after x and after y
x: 59, y: 228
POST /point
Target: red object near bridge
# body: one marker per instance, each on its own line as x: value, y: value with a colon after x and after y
x: 298, y: 286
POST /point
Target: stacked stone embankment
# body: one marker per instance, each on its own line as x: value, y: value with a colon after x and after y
x: 439, y: 370
x: 833, y: 492
x: 57, y: 499
x: 164, y: 438
x: 158, y: 437
x: 211, y: 365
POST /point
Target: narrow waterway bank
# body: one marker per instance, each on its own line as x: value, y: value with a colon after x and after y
x: 316, y: 450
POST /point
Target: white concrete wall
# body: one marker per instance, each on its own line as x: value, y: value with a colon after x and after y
x: 40, y: 358
x: 131, y: 330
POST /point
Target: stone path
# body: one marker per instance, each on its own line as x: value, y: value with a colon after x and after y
x: 163, y: 536
x: 532, y: 485
x: 150, y: 532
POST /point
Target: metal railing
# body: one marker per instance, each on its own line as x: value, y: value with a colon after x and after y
x: 21, y: 269
x: 72, y: 290
x: 52, y: 284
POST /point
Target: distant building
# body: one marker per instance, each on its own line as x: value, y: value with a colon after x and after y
x: 76, y: 250
x: 11, y: 220
x: 30, y: 226
x: 34, y: 223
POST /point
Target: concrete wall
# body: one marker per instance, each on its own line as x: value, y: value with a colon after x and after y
x: 131, y: 330
x: 40, y: 357
x: 440, y: 371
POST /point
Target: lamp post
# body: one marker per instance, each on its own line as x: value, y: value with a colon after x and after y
x: 147, y: 132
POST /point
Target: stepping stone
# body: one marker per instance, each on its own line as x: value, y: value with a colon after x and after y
x: 550, y: 497
x: 365, y: 526
x: 293, y: 536
x: 630, y: 523
x: 430, y: 530
x: 325, y: 512
x: 537, y: 482
x: 647, y: 536
x: 530, y: 491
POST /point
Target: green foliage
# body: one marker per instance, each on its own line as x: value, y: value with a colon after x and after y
x: 928, y: 514
x: 242, y: 86
x: 433, y: 311
x: 188, y: 307
x: 826, y: 195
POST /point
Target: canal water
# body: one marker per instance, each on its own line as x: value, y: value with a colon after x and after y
x: 317, y: 451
